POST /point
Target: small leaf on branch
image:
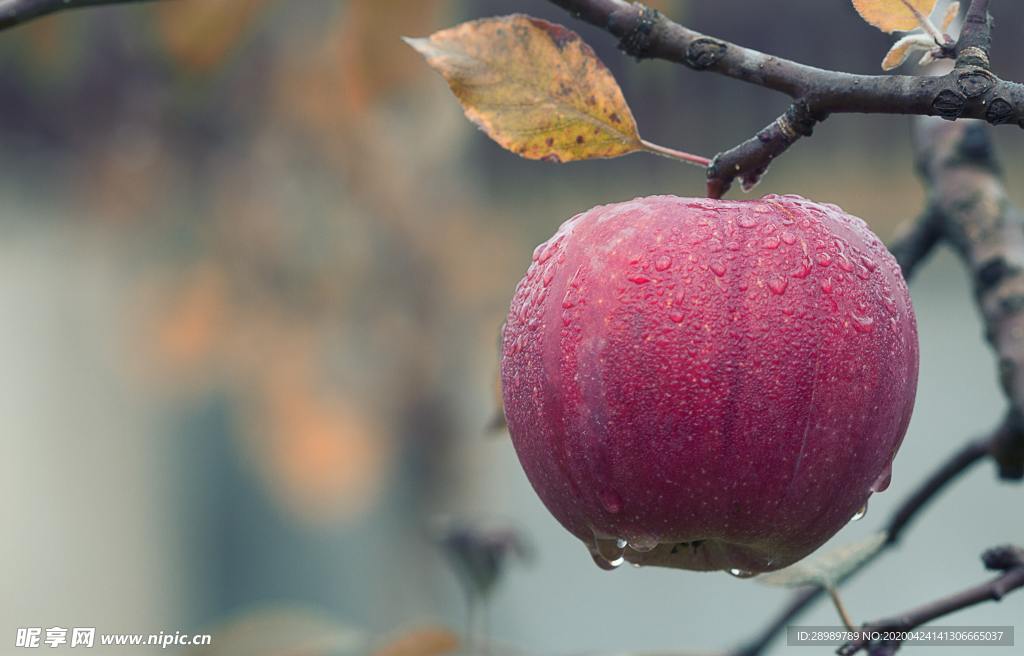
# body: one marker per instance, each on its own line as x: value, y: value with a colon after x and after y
x: 895, y: 15
x: 537, y: 89
x: 827, y: 570
x: 903, y: 48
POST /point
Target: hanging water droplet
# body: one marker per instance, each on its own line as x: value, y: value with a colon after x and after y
x: 860, y: 513
x: 742, y: 573
x: 643, y: 544
x: 608, y: 553
x: 603, y: 563
x: 881, y: 484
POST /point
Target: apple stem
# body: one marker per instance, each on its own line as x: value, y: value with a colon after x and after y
x: 833, y: 592
x: 671, y: 153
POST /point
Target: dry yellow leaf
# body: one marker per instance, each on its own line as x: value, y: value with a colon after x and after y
x: 534, y: 87
x: 894, y: 15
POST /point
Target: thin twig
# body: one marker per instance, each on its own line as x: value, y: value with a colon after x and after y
x: 16, y: 12
x: 995, y: 589
x: 915, y: 243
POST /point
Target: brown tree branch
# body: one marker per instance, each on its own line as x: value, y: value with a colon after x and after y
x: 915, y: 243
x: 16, y: 12
x: 976, y: 36
x: 1008, y: 559
x: 969, y: 91
x: 974, y: 216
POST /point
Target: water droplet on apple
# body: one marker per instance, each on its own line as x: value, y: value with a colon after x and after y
x: 862, y: 324
x: 742, y: 573
x: 881, y: 484
x: 676, y: 316
x: 608, y: 552
x: 643, y: 544
x: 823, y: 259
x: 788, y: 237
x: 663, y: 263
x: 611, y: 501
x: 717, y: 268
x: 803, y: 270
x: 746, y: 221
x: 778, y: 286
x: 605, y: 564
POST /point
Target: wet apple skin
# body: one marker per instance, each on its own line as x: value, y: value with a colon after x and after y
x: 719, y: 383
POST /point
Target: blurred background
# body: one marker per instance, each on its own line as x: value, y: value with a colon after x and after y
x: 253, y: 267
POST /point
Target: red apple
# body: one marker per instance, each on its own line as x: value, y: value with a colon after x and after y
x: 706, y: 384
